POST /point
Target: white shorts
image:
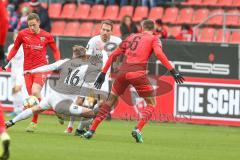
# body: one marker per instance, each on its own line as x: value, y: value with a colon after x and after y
x: 17, y: 80
x: 55, y: 98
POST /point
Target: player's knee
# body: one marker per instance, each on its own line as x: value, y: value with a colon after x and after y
x: 36, y: 109
x: 36, y: 94
x: 75, y: 109
x: 151, y: 101
x: 112, y: 99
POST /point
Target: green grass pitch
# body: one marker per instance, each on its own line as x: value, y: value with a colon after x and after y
x: 162, y: 141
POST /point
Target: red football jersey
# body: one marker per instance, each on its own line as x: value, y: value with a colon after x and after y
x: 34, y: 47
x: 3, y: 23
x: 137, y: 49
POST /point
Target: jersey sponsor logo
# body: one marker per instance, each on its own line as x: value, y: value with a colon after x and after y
x: 42, y: 39
x: 220, y: 101
x: 202, y: 68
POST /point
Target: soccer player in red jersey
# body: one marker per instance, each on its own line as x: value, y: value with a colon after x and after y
x: 137, y: 49
x: 34, y: 41
x: 4, y: 137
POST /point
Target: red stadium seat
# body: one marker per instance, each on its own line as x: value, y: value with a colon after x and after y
x: 209, y: 2
x: 233, y: 20
x: 96, y: 29
x: 192, y: 2
x: 68, y: 11
x: 224, y: 3
x: 125, y: 10
x: 235, y: 37
x: 85, y: 29
x: 174, y: 31
x: 217, y: 20
x: 156, y: 13
x: 116, y: 30
x: 82, y: 12
x: 200, y: 15
x: 44, y: 5
x: 58, y: 28
x: 97, y: 12
x: 140, y: 13
x: 170, y: 15
x: 54, y: 10
x: 185, y: 16
x: 71, y: 29
x: 236, y: 3
x: 111, y: 12
x: 219, y: 36
x: 207, y: 35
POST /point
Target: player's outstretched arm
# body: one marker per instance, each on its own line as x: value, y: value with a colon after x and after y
x: 53, y: 46
x: 50, y: 67
x: 162, y: 57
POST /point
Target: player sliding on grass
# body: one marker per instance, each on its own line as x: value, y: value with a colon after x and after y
x: 63, y: 98
x: 137, y: 49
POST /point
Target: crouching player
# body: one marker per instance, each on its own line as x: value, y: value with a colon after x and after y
x: 63, y: 98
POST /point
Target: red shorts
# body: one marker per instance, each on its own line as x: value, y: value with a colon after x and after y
x: 38, y: 78
x: 138, y: 80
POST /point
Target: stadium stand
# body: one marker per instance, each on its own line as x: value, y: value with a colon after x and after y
x: 85, y: 29
x: 140, y: 13
x: 68, y: 11
x: 87, y: 18
x: 55, y: 10
x: 111, y: 12
x: 97, y: 12
x: 71, y: 29
x: 156, y: 13
x: 82, y: 12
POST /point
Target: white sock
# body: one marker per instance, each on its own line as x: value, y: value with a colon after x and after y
x: 18, y: 102
x: 71, y: 122
x: 23, y: 115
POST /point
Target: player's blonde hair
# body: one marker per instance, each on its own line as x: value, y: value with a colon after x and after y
x: 32, y: 16
x: 78, y: 51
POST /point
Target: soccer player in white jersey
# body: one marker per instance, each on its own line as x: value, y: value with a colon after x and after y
x: 17, y: 80
x: 63, y: 98
x: 99, y: 49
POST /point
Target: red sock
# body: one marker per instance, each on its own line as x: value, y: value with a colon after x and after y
x: 102, y: 114
x: 146, y: 116
x: 35, y: 116
x: 2, y: 122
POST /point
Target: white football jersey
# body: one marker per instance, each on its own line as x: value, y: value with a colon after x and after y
x: 17, y: 61
x: 101, y: 51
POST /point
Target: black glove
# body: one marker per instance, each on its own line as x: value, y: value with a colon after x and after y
x: 5, y: 63
x: 177, y: 76
x: 99, y: 81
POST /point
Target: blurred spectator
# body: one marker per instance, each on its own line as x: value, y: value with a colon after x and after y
x: 127, y: 26
x: 16, y: 3
x: 160, y: 29
x: 43, y: 14
x: 186, y: 33
x: 106, y: 2
x: 152, y: 3
x: 13, y: 18
x: 130, y: 2
x: 22, y: 23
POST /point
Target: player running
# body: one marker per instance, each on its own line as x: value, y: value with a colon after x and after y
x: 99, y: 48
x: 137, y: 49
x: 34, y: 41
x: 74, y: 74
x: 4, y: 137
